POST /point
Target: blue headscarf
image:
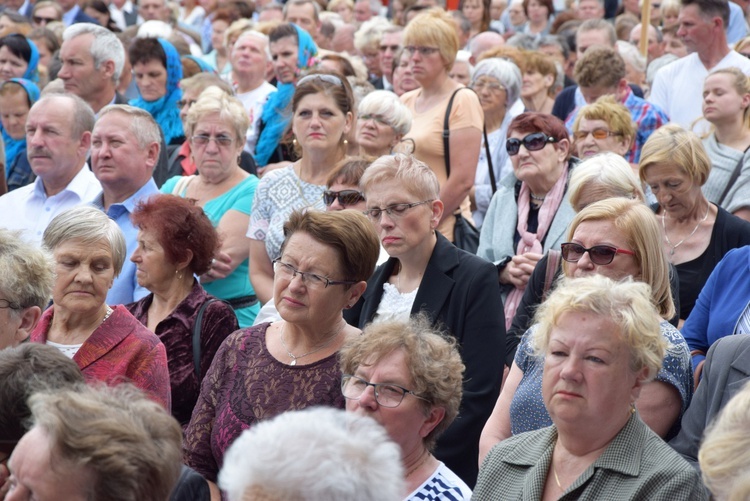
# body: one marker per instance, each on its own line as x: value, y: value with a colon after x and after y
x: 32, y: 71
x: 15, y: 147
x: 203, y: 65
x: 274, y: 115
x: 165, y: 110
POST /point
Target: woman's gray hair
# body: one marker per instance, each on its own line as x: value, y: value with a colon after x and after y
x: 88, y: 225
x: 505, y: 72
x: 27, y: 272
x: 338, y: 456
x: 386, y: 104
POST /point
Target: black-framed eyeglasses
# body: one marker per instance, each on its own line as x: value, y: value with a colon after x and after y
x: 423, y: 51
x: 386, y: 394
x: 486, y: 84
x: 532, y: 142
x: 393, y: 48
x: 598, y: 254
x: 311, y: 280
x: 182, y: 102
x: 346, y: 197
x: 394, y: 211
x: 204, y: 139
x: 4, y: 303
x: 45, y: 20
x: 598, y: 133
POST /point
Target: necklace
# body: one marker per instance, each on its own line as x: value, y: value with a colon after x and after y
x: 106, y: 315
x: 425, y: 456
x: 294, y: 358
x: 557, y: 480
x: 666, y: 237
x: 535, y: 197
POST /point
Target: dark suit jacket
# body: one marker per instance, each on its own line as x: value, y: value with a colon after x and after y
x: 459, y: 292
x: 725, y: 372
x: 82, y: 17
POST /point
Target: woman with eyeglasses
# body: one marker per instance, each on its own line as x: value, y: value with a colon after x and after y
x: 216, y: 126
x: 431, y: 44
x: 429, y: 275
x: 407, y: 377
x: 537, y: 193
x: 617, y: 238
x: 322, y: 113
x: 382, y: 122
x: 604, y: 125
x: 291, y: 364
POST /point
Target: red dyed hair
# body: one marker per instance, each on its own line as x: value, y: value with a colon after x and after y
x: 533, y: 121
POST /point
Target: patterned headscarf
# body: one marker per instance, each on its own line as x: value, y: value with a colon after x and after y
x: 15, y: 147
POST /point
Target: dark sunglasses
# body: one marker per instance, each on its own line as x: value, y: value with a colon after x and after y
x: 598, y: 254
x: 346, y: 197
x: 40, y: 19
x: 533, y: 142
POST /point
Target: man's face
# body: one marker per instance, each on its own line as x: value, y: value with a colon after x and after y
x: 249, y: 56
x: 586, y: 39
x: 362, y: 11
x: 590, y: 9
x: 655, y: 49
x: 694, y: 29
x: 153, y: 10
x: 303, y: 16
x: 389, y: 45
x: 78, y: 72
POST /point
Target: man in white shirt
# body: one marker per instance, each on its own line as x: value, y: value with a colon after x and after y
x: 58, y: 136
x: 678, y: 87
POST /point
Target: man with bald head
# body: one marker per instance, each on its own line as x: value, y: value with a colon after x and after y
x: 655, y: 41
x: 483, y: 42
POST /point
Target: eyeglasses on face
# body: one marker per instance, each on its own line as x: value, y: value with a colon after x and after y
x: 182, y: 102
x: 204, y: 139
x: 311, y: 280
x: 346, y: 197
x: 386, y: 394
x: 378, y: 119
x: 394, y: 211
x: 533, y: 142
x: 423, y: 51
x: 4, y: 303
x: 392, y: 48
x: 598, y: 133
x: 598, y: 254
x: 486, y: 84
x: 43, y: 20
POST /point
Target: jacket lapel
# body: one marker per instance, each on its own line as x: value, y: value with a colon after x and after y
x: 437, y: 283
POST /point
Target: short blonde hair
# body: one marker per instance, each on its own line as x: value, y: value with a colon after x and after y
x: 626, y: 303
x: 607, y: 174
x: 434, y: 28
x: 387, y: 105
x: 229, y: 108
x: 369, y: 34
x: 432, y: 360
x: 607, y: 109
x: 673, y: 145
x: 642, y: 234
x: 412, y: 174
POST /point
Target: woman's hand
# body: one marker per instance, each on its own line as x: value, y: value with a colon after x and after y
x: 519, y: 269
x: 221, y: 267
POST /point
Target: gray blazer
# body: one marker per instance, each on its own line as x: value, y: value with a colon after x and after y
x: 726, y: 371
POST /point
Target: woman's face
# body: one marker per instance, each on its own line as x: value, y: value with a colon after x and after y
x: 44, y: 53
x: 43, y: 16
x: 85, y: 273
x: 409, y: 423
x: 592, y: 233
x: 587, y: 379
x: 346, y: 13
x: 589, y: 146
x: 516, y: 14
x: 403, y: 78
x: 153, y: 270
x: 14, y: 108
x: 408, y: 232
x: 284, y: 57
x: 540, y: 164
x: 337, y: 205
x: 11, y: 66
x: 219, y: 27
x: 537, y: 12
x: 318, y: 123
x: 492, y: 95
x: 375, y: 136
x: 674, y: 189
x: 426, y: 68
x: 217, y: 158
x: 534, y: 83
x: 721, y: 101
x: 473, y: 11
x: 151, y: 79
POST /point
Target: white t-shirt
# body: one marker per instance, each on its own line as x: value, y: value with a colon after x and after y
x: 678, y: 88
x: 442, y: 485
x: 253, y: 102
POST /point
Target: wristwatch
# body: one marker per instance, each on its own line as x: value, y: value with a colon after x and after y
x: 503, y: 263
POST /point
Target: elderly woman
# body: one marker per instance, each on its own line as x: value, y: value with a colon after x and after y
x: 604, y: 125
x: 26, y: 280
x: 726, y: 105
x: 293, y: 52
x: 539, y: 149
x: 416, y: 377
x: 426, y: 273
x: 696, y: 234
x: 108, y: 344
x: 382, y: 121
x: 323, y: 107
x: 17, y: 95
x: 431, y: 42
x: 403, y: 77
x: 601, y: 344
x: 217, y: 124
x: 130, y: 448
x: 498, y: 85
x: 539, y: 75
x: 158, y: 71
x: 19, y: 58
x: 176, y: 242
x: 292, y: 364
x: 616, y: 238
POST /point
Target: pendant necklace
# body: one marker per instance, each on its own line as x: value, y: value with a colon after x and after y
x: 294, y: 357
x: 666, y: 237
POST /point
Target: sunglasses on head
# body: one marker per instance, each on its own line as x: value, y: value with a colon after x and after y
x: 598, y: 254
x: 346, y: 197
x: 533, y: 142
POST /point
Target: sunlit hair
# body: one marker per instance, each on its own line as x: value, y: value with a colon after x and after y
x: 616, y: 115
x: 213, y: 100
x: 27, y: 272
x: 606, y: 175
x: 741, y: 84
x: 642, y: 235
x: 724, y: 455
x: 434, y: 28
x: 431, y: 357
x: 142, y: 123
x: 627, y: 304
x: 387, y: 105
x: 673, y: 145
x: 414, y: 175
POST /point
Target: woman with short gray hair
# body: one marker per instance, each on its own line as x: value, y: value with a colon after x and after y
x: 382, y: 121
x: 108, y: 344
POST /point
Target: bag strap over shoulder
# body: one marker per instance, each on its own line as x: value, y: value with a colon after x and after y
x: 197, y: 326
x: 447, y: 133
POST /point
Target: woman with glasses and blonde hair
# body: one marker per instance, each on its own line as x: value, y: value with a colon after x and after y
x: 216, y: 126
x: 426, y: 273
x: 604, y: 125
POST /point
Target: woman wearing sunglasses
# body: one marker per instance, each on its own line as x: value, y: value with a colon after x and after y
x: 536, y: 194
x: 604, y: 125
x: 620, y: 239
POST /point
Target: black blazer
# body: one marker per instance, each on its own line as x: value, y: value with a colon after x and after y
x: 460, y: 293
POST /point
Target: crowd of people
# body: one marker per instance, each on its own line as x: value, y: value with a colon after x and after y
x: 353, y: 249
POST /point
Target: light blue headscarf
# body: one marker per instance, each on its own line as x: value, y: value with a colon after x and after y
x: 275, y: 116
x: 165, y: 110
x: 15, y: 147
x: 32, y: 70
x: 203, y: 65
